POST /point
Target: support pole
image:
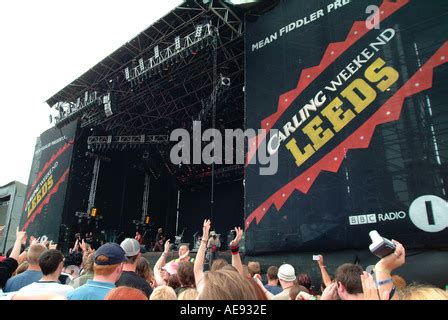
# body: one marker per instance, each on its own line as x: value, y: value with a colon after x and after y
x: 177, y: 215
x: 214, y: 96
x: 145, y: 202
x: 96, y: 170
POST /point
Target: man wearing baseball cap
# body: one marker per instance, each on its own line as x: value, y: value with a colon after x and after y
x: 286, y: 275
x: 129, y: 278
x: 107, y: 268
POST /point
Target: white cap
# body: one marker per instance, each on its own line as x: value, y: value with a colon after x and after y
x: 286, y: 273
x: 131, y: 247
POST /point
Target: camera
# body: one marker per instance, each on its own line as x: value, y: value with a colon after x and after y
x: 381, y: 247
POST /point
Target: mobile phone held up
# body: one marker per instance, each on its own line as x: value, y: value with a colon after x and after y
x: 381, y: 247
x: 315, y: 257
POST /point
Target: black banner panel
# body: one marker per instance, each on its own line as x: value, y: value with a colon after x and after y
x: 356, y: 93
x: 47, y: 184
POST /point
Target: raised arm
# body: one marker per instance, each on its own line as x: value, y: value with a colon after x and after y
x: 160, y: 263
x: 234, y: 248
x: 326, y: 279
x: 268, y: 294
x: 385, y: 266
x: 15, y: 253
x: 200, y: 256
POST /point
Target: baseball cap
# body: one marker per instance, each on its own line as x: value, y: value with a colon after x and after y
x: 112, y: 251
x: 131, y: 247
x: 286, y: 272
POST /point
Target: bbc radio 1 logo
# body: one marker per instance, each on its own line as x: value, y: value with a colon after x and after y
x: 374, y: 218
x: 428, y: 213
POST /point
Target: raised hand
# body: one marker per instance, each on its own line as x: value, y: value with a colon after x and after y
x: 20, y: 235
x: 330, y: 292
x: 368, y: 287
x: 206, y: 228
x: 83, y: 245
x: 394, y: 260
x: 239, y: 235
x: 167, y: 246
x: 302, y: 295
x: 33, y: 241
x: 52, y: 245
x: 257, y: 276
x: 321, y: 260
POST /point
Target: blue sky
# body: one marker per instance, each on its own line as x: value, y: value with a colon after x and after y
x: 46, y: 44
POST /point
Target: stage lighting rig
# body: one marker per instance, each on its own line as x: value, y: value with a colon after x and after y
x: 69, y: 111
x: 109, y: 142
x: 182, y: 47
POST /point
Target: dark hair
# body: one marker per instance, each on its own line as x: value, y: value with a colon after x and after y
x: 49, y: 261
x: 272, y: 273
x: 173, y: 281
x: 350, y: 276
x: 131, y: 260
x: 296, y: 289
x: 185, y: 274
x: 73, y: 259
x: 8, y: 253
x: 258, y: 291
x: 304, y: 279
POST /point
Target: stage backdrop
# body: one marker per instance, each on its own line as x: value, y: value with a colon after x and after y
x: 47, y: 184
x: 360, y: 106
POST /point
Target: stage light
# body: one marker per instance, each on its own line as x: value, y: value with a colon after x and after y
x: 147, y: 220
x: 177, y: 43
x: 198, y: 31
x: 86, y: 96
x: 225, y: 81
x: 141, y: 63
x: 156, y: 51
x: 93, y: 213
x: 243, y: 3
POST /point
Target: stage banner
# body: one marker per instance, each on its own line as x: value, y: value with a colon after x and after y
x: 353, y: 97
x: 47, y: 184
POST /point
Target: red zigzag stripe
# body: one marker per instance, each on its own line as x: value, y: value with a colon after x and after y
x: 46, y: 166
x: 360, y: 139
x: 46, y: 200
x: 334, y: 51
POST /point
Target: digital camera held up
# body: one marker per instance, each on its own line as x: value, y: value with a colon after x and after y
x: 381, y: 247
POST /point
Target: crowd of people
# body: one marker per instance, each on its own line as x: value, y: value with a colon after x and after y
x: 39, y: 271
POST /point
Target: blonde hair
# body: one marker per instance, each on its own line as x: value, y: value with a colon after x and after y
x: 226, y: 285
x: 254, y: 268
x: 399, y: 282
x: 163, y: 293
x: 189, y: 294
x: 218, y: 264
x: 21, y: 268
x: 34, y: 252
x: 87, y: 264
x: 423, y: 292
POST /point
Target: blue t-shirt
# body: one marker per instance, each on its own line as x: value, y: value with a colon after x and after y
x: 273, y: 289
x: 22, y: 280
x: 92, y: 290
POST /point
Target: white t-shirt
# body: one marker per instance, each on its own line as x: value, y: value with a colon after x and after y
x: 46, y: 287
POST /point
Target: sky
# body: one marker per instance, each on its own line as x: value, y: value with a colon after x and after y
x: 47, y: 44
